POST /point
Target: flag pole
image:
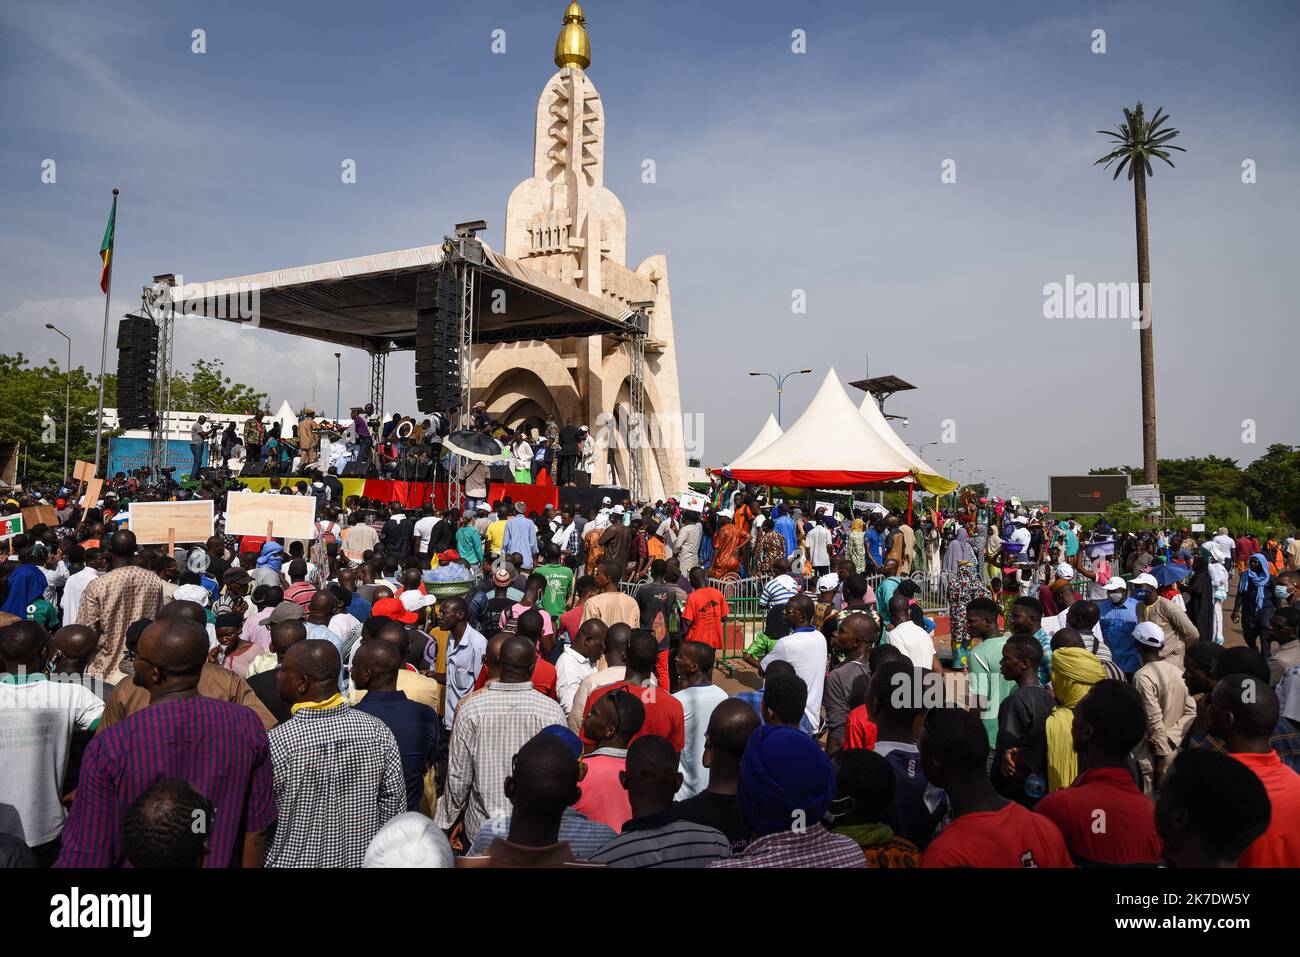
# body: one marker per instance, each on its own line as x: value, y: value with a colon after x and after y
x: 103, y: 350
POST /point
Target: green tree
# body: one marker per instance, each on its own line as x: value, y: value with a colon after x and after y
x: 1133, y: 144
x: 29, y: 393
x: 1271, y: 484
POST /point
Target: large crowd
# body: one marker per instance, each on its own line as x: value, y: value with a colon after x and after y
x: 985, y: 685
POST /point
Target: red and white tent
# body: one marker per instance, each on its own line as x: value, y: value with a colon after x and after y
x: 831, y: 444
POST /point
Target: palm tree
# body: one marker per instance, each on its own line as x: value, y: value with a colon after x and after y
x: 1135, y: 141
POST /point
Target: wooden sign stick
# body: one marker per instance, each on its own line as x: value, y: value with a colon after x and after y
x: 171, y: 542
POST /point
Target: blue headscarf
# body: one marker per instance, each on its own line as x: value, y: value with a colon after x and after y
x: 1258, y: 578
x: 785, y: 779
x: 26, y: 584
x: 272, y: 556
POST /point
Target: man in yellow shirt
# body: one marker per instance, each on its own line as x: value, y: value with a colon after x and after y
x: 496, y: 532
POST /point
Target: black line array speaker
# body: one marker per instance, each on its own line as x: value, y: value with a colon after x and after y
x: 437, y: 341
x: 137, y: 371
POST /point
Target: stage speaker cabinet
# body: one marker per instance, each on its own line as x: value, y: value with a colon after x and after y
x: 137, y: 371
x: 500, y: 475
x: 354, y: 470
x: 437, y: 341
x: 253, y: 470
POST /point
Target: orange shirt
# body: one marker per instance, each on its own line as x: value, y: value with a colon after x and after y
x: 705, y: 608
x: 1279, y: 846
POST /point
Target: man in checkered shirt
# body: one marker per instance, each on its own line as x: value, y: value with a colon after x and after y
x: 489, y: 729
x: 338, y: 771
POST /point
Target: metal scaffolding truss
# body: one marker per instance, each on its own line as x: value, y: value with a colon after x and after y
x: 467, y: 277
x: 378, y: 367
x: 637, y: 431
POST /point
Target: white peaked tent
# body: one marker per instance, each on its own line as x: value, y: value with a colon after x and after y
x: 831, y: 444
x: 876, y: 419
x: 287, y: 418
x: 768, y: 434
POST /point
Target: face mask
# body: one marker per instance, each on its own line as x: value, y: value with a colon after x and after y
x: 1140, y: 594
x: 1117, y: 598
x: 1281, y: 592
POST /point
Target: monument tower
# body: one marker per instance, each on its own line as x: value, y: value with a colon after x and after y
x: 564, y: 222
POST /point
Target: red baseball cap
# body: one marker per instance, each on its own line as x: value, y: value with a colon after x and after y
x: 394, y: 609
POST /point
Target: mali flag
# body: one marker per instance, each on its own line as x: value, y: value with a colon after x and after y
x: 106, y: 247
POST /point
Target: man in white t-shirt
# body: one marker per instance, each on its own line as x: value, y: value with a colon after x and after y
x: 424, y: 528
x: 37, y: 720
x: 909, y: 637
x: 805, y: 649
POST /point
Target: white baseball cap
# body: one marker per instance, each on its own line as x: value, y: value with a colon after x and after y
x: 828, y: 582
x: 1144, y: 579
x: 605, y: 500
x: 1064, y: 571
x: 1149, y: 633
x: 1116, y: 584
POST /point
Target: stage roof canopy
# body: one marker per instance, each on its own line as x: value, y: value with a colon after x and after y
x: 369, y: 302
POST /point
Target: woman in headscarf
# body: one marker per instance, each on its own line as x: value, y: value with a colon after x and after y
x: 992, y: 551
x: 855, y: 549
x: 1200, y: 594
x: 1074, y: 672
x: 1253, y: 606
x: 964, y: 585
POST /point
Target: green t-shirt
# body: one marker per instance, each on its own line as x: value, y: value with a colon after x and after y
x: 43, y: 612
x: 559, y: 582
x: 987, y: 682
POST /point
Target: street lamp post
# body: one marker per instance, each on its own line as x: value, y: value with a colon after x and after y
x: 920, y: 449
x: 67, y: 398
x: 779, y: 379
x: 338, y: 384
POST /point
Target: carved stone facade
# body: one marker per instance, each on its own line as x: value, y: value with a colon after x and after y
x: 563, y: 221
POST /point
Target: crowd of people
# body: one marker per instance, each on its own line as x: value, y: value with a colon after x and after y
x: 402, y: 446
x: 500, y: 687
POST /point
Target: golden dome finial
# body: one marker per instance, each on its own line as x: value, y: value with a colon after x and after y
x: 572, y: 48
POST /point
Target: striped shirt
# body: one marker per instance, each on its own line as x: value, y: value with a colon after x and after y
x: 659, y: 840
x: 338, y: 780
x: 583, y: 835
x: 778, y: 592
x: 814, y: 847
x: 489, y: 729
x: 219, y: 747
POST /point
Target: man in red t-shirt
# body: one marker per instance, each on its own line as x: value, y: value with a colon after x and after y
x: 571, y: 620
x: 1103, y: 816
x: 663, y: 713
x: 1211, y: 808
x: 988, y: 830
x: 1244, y: 712
x: 706, y: 610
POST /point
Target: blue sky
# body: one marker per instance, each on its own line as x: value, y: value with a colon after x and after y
x: 775, y: 172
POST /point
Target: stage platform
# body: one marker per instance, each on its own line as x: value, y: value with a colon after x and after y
x: 414, y: 495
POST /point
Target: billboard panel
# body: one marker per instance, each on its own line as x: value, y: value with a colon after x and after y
x: 1085, y: 494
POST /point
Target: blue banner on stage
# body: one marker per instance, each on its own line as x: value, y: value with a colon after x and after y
x: 127, y: 455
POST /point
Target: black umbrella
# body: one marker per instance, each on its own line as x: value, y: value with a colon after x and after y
x: 473, y: 445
